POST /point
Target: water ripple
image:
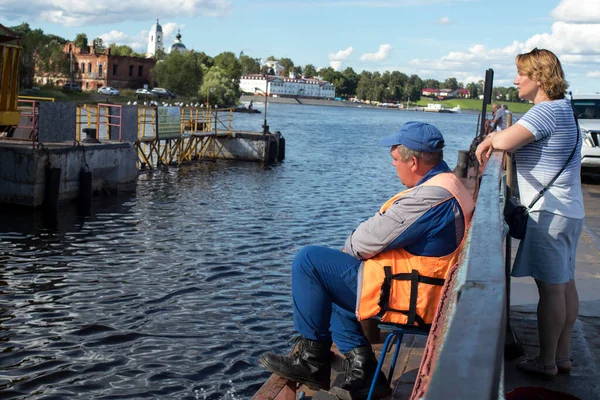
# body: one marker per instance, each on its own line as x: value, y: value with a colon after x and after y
x: 175, y: 291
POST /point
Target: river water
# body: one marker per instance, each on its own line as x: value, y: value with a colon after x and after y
x: 174, y: 291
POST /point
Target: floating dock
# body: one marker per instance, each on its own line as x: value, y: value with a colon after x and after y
x: 112, y: 143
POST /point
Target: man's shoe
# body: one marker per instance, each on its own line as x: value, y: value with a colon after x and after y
x: 360, y: 366
x: 309, y: 364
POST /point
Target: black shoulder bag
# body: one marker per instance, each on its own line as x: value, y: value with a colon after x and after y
x: 516, y: 214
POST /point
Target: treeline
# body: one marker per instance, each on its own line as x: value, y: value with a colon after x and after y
x: 44, y: 52
x: 216, y: 79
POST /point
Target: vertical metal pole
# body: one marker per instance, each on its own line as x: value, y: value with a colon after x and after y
x: 487, y: 99
x: 120, y: 123
x: 70, y: 65
x: 265, y: 127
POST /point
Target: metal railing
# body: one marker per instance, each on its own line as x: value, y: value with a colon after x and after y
x: 86, y: 116
x: 105, y: 112
x: 29, y: 111
x: 146, y: 122
x: 469, y: 360
x: 37, y: 98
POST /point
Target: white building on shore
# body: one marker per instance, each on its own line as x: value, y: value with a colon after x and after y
x: 279, y: 86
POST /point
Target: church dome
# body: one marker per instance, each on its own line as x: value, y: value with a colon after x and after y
x: 177, y: 45
x: 157, y: 27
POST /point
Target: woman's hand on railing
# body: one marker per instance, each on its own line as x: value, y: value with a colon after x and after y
x: 483, y: 152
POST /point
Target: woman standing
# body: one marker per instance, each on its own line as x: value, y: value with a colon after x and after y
x: 543, y: 141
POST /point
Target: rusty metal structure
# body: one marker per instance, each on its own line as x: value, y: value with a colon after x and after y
x: 10, y: 54
x: 199, y: 129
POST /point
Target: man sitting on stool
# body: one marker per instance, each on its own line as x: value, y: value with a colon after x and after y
x: 421, y: 229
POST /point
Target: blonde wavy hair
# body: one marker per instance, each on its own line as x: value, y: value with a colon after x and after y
x: 543, y: 66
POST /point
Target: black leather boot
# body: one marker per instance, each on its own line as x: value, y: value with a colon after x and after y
x: 309, y: 364
x: 360, y: 366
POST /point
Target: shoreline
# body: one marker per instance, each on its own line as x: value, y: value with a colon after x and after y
x: 244, y: 99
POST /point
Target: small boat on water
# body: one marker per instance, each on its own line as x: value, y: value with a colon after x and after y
x: 436, y: 107
x: 246, y: 110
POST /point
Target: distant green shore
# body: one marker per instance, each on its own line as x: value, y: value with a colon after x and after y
x: 465, y: 104
x: 129, y: 95
x: 475, y: 104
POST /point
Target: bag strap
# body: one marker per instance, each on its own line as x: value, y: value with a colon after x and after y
x: 415, y: 278
x: 541, y: 192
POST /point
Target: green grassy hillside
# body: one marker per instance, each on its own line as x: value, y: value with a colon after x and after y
x: 475, y: 104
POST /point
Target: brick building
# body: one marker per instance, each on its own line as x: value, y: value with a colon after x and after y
x: 92, y: 70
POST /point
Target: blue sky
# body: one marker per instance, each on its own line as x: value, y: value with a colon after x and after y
x: 432, y: 38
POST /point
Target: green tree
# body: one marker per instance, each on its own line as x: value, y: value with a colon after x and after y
x: 219, y: 88
x: 205, y: 61
x: 364, y: 85
x: 81, y: 41
x: 249, y: 65
x: 287, y: 64
x: 480, y: 86
x: 160, y: 55
x: 512, y: 94
x: 396, y: 85
x: 180, y: 73
x: 431, y: 84
x: 52, y: 60
x: 328, y: 74
x: 473, y: 93
x: 121, y: 50
x: 298, y: 70
x: 450, y: 83
x: 229, y: 65
x: 351, y: 81
x: 99, y: 45
x: 309, y: 71
x: 416, y: 81
x: 40, y: 52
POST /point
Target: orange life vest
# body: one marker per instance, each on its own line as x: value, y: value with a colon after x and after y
x: 398, y: 287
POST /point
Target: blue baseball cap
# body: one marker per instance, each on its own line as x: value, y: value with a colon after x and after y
x: 417, y: 136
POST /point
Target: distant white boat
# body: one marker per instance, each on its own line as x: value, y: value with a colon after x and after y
x: 436, y: 107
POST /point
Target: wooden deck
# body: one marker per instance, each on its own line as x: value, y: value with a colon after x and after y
x: 584, y: 380
x: 407, y: 366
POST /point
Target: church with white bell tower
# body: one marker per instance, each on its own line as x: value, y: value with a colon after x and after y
x: 155, y: 40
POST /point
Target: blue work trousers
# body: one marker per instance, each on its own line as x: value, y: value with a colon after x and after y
x: 324, y: 288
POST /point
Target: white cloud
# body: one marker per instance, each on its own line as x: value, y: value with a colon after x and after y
x: 573, y: 37
x: 341, y: 55
x: 335, y: 64
x: 138, y: 42
x: 577, y: 11
x: 354, y: 3
x: 382, y: 54
x: 170, y: 30
x: 336, y: 59
x: 79, y: 13
x: 593, y: 74
x: 444, y: 21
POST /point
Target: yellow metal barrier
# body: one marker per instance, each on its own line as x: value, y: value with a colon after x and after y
x: 51, y: 99
x: 9, y: 83
x: 198, y: 131
x: 147, y: 145
x: 87, y: 112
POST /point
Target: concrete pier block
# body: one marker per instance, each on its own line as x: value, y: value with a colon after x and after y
x: 57, y: 122
x: 248, y: 146
x: 22, y: 169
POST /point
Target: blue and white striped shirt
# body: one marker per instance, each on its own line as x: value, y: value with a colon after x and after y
x: 553, y: 125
